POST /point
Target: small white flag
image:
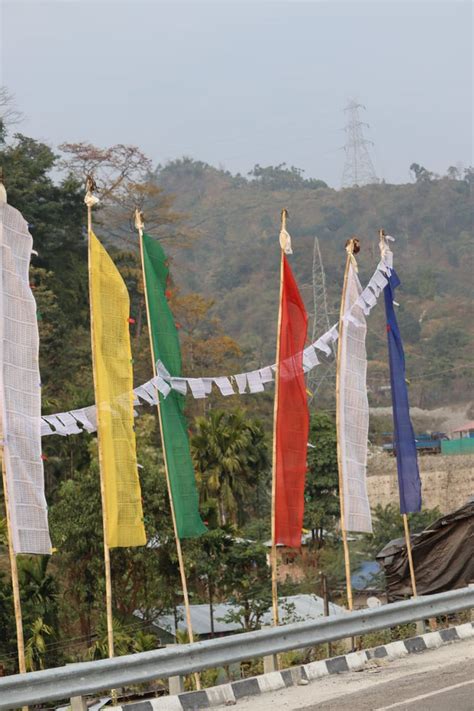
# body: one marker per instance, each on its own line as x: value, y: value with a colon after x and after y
x: 266, y: 374
x: 179, y: 384
x: 255, y: 382
x: 197, y: 388
x: 224, y: 385
x: 241, y: 380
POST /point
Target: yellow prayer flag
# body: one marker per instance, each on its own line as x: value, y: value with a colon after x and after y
x: 113, y: 383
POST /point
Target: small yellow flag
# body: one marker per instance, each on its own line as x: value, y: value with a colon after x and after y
x: 113, y: 383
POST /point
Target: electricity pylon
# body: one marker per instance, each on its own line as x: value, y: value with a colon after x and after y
x: 325, y: 371
x: 358, y: 166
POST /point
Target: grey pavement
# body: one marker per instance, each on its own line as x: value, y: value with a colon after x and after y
x: 450, y: 688
x: 433, y: 680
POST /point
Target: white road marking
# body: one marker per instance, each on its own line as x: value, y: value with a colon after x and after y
x: 425, y: 696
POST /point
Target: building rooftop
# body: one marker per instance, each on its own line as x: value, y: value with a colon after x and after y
x: 302, y: 607
x: 464, y: 428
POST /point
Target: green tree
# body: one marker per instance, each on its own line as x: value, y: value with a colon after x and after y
x: 250, y: 590
x: 321, y: 491
x: 39, y: 590
x: 99, y: 649
x: 144, y: 578
x: 210, y: 564
x: 35, y: 647
x: 280, y: 177
x: 8, y: 649
x: 387, y: 525
x: 230, y: 456
x: 422, y: 175
x: 39, y: 601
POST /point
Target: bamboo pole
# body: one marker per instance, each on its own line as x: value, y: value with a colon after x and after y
x: 273, y: 555
x: 139, y: 224
x: 90, y: 200
x: 14, y: 574
x: 347, y: 563
x: 406, y: 525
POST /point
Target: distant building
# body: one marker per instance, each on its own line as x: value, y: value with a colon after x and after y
x: 461, y: 440
x: 295, y: 608
x: 293, y: 563
x: 466, y: 430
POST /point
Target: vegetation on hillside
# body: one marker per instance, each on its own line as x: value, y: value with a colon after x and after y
x: 235, y: 261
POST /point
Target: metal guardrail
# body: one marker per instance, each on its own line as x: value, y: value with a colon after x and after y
x: 89, y: 677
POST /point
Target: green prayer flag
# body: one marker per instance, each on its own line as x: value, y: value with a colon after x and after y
x: 175, y: 429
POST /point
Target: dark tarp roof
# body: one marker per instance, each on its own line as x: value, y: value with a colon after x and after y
x: 443, y: 556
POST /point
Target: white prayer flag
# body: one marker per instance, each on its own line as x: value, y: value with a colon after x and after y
x: 332, y: 335
x: 224, y: 385
x: 266, y: 374
x: 285, y: 242
x: 362, y: 305
x: 83, y: 416
x: 380, y: 280
x: 352, y: 319
x: 322, y: 345
x: 255, y: 382
x: 70, y: 423
x: 57, y: 425
x: 143, y: 394
x: 197, y: 387
x: 241, y: 380
x: 45, y: 428
x: 20, y: 389
x: 369, y: 297
x: 353, y: 411
x: 179, y: 384
x: 161, y: 385
x: 310, y: 359
x: 207, y: 384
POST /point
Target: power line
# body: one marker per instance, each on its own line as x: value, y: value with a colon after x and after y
x: 317, y: 376
x: 358, y: 166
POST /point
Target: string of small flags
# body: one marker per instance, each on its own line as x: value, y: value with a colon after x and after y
x: 85, y: 419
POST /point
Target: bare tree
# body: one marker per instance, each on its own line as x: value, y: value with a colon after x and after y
x: 125, y: 181
x: 9, y: 114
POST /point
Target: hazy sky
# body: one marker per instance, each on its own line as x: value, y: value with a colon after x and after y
x: 235, y: 83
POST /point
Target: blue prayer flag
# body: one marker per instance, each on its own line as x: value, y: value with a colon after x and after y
x: 409, y: 482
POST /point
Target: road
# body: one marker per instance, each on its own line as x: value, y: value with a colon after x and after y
x: 435, y: 680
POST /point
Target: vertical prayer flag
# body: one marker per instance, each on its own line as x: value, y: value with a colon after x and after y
x: 292, y: 417
x: 409, y: 483
x: 353, y: 410
x: 166, y: 348
x: 113, y: 382
x: 20, y: 389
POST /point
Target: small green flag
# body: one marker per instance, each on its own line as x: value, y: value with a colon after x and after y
x: 175, y: 429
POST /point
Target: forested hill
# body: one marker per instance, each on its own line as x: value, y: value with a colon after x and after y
x: 221, y: 231
x: 234, y: 260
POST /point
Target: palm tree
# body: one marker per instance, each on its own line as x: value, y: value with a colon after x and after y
x: 35, y: 648
x: 123, y: 642
x: 39, y: 588
x: 230, y: 455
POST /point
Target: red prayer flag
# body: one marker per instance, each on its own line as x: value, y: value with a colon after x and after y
x: 292, y: 416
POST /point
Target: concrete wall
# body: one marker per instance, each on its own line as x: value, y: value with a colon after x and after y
x: 447, y: 481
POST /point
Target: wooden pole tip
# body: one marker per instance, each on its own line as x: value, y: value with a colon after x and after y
x: 353, y: 245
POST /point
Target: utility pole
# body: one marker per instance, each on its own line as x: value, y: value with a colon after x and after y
x: 358, y: 166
